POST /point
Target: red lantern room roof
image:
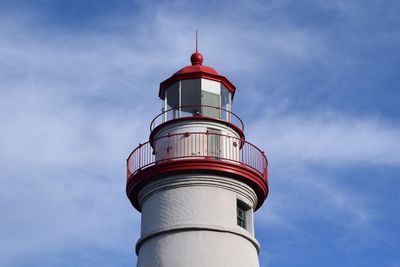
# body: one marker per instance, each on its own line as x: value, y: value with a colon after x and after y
x: 195, y: 71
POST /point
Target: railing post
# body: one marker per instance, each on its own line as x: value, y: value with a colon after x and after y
x: 242, y: 144
x: 140, y: 157
x: 169, y: 146
x: 205, y: 144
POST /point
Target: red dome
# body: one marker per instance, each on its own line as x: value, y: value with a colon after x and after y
x: 196, y: 70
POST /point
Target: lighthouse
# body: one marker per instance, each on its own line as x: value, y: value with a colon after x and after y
x: 197, y: 181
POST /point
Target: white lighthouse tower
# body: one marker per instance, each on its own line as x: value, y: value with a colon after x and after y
x: 197, y: 181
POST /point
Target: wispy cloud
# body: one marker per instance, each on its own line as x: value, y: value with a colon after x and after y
x: 328, y: 138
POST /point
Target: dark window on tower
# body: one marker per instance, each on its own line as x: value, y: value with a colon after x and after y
x: 241, y: 214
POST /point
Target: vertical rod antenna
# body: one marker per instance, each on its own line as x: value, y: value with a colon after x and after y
x: 197, y: 42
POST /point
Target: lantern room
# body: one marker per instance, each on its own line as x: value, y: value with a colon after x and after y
x: 198, y: 97
x: 197, y: 90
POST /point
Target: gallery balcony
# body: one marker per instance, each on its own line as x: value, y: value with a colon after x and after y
x: 202, y: 152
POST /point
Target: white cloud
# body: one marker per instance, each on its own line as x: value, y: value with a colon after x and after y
x: 327, y: 138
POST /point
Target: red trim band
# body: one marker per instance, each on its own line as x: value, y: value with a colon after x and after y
x: 236, y: 171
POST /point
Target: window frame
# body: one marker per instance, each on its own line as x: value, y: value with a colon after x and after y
x: 245, y: 220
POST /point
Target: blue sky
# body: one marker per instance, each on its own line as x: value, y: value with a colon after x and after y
x: 317, y: 87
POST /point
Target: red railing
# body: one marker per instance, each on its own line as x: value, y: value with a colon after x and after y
x: 197, y: 145
x: 197, y: 111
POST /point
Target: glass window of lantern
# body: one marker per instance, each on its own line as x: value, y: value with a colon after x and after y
x: 210, y: 104
x: 211, y: 98
x: 172, y: 98
x: 225, y: 104
x: 190, y: 97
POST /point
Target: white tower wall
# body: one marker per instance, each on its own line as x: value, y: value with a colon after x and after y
x: 190, y: 220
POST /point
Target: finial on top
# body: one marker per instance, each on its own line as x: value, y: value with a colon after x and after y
x: 196, y: 58
x: 197, y: 42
